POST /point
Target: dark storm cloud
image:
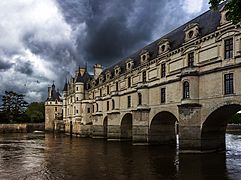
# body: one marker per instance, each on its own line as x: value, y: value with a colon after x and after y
x: 5, y: 65
x: 115, y: 29
x: 54, y: 37
x: 24, y: 68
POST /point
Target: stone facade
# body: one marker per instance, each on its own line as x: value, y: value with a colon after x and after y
x: 53, y: 109
x: 185, y: 83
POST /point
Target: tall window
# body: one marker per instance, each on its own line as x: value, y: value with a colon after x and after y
x: 139, y: 98
x: 117, y: 86
x: 77, y: 98
x: 100, y: 92
x: 228, y: 48
x: 163, y: 70
x: 56, y: 109
x: 74, y: 110
x: 163, y: 95
x: 129, y: 101
x: 108, y: 89
x: 228, y: 83
x: 88, y: 110
x: 93, y: 107
x: 186, y: 93
x: 113, y: 104
x: 97, y: 107
x: 190, y: 59
x: 129, y: 82
x: 144, y: 76
x: 108, y: 105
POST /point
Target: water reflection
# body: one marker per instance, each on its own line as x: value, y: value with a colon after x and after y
x: 39, y: 156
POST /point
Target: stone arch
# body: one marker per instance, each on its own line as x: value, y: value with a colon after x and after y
x: 105, y: 127
x: 214, y: 127
x: 126, y: 126
x: 163, y: 129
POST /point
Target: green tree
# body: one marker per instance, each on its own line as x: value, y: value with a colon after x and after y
x: 233, y: 6
x: 35, y: 112
x: 13, y: 107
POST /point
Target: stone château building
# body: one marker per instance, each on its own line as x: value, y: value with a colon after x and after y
x: 187, y: 83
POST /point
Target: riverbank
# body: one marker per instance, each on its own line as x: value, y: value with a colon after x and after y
x: 233, y: 128
x: 21, y: 128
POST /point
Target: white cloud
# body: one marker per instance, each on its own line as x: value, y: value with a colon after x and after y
x: 191, y: 6
x: 44, y: 22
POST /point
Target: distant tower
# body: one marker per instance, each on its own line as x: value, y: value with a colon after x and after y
x: 53, y: 108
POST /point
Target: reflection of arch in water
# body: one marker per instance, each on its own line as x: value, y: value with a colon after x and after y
x: 163, y: 128
x: 105, y: 127
x: 126, y: 127
x: 214, y: 127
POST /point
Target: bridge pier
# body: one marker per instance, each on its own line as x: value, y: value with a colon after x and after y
x: 190, y: 127
x: 140, y: 130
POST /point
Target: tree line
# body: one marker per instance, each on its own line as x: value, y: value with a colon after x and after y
x: 15, y: 109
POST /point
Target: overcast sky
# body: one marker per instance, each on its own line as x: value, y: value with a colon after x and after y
x: 46, y: 40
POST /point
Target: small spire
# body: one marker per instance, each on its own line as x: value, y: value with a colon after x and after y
x: 53, y: 86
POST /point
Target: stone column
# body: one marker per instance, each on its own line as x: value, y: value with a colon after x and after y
x: 114, y: 128
x: 190, y: 127
x: 140, y: 128
x: 97, y: 128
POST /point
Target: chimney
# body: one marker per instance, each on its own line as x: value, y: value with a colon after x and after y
x: 82, y: 70
x: 49, y: 92
x: 97, y: 70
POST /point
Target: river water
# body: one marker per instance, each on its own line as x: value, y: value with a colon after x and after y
x: 47, y: 156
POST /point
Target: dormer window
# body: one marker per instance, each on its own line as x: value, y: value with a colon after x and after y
x: 191, y: 31
x: 164, y: 46
x: 129, y: 64
x: 144, y: 56
x: 117, y: 70
x: 190, y: 34
x: 92, y: 83
x: 108, y: 75
x: 101, y: 79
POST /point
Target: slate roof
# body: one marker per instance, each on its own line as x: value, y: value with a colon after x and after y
x: 65, y: 86
x: 55, y: 95
x: 85, y: 78
x: 208, y: 23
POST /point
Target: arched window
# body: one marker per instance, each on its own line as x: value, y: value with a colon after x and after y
x: 139, y: 98
x: 113, y: 104
x: 186, y: 93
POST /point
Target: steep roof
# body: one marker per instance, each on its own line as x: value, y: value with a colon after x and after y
x: 55, y: 95
x: 65, y: 86
x: 85, y: 78
x: 208, y: 23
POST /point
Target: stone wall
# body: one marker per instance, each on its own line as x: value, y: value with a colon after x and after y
x: 21, y: 128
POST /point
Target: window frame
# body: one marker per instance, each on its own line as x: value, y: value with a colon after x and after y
x: 163, y: 70
x: 139, y: 98
x: 129, y: 82
x: 190, y: 59
x: 128, y: 101
x: 163, y: 95
x: 113, y: 104
x: 228, y: 48
x: 228, y: 83
x: 144, y: 76
x: 186, y: 90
